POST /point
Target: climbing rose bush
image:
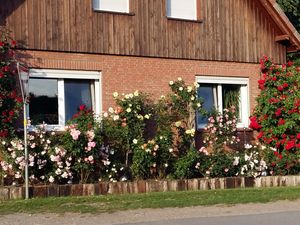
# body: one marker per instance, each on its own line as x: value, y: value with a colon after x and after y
x: 10, y: 100
x: 277, y: 115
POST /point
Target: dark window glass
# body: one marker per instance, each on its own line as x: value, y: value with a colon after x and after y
x: 206, y: 93
x: 77, y: 92
x: 231, y: 97
x: 43, y: 101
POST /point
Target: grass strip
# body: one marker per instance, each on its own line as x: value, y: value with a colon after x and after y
x: 111, y: 203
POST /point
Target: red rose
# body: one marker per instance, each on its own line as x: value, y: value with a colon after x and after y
x: 298, y: 136
x: 11, y: 113
x: 82, y: 107
x: 5, y: 68
x: 281, y: 122
x: 1, y: 44
x: 289, y: 63
x: 278, y: 112
x: 1, y: 75
x: 253, y: 123
x: 260, y: 135
x: 280, y: 88
x: 13, y: 43
x: 289, y: 145
x: 261, y: 84
x: 285, y: 85
x: 19, y: 99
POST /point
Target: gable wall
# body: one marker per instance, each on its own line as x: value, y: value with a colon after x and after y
x: 232, y: 30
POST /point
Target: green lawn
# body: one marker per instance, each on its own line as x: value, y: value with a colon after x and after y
x: 111, y: 203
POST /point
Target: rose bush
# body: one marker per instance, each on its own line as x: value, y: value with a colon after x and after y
x: 277, y: 115
x: 79, y: 155
x: 39, y: 163
x: 10, y: 100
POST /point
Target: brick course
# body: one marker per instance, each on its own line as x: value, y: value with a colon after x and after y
x: 126, y: 74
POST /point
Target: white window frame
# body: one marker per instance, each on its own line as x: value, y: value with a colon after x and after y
x: 245, y: 101
x: 69, y: 74
x: 172, y: 14
x: 112, y: 8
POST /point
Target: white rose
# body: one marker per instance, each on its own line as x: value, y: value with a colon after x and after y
x: 105, y: 114
x: 171, y: 82
x: 128, y: 110
x: 115, y: 94
x: 111, y: 110
x: 179, y: 79
x: 51, y: 179
x: 135, y: 141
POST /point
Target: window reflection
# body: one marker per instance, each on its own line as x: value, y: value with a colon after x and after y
x: 43, y: 104
x: 207, y: 92
x: 77, y: 92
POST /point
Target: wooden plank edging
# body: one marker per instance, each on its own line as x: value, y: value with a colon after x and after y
x: 146, y: 186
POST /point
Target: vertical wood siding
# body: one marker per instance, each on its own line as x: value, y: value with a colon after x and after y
x: 232, y: 30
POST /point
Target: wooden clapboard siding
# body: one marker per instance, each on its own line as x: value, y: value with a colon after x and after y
x: 232, y: 30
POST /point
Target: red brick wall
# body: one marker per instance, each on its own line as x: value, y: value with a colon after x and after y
x: 126, y: 74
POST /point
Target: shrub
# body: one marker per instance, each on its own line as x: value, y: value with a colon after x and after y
x: 79, y: 155
x: 221, y: 130
x: 277, y: 114
x: 39, y: 164
x: 124, y: 127
x: 10, y: 101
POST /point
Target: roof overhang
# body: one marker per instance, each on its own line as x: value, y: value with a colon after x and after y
x: 290, y: 37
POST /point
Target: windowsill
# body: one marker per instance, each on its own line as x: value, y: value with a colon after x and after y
x: 114, y: 12
x: 184, y: 20
x: 238, y: 129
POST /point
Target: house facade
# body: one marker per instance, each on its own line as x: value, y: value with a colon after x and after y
x: 81, y: 51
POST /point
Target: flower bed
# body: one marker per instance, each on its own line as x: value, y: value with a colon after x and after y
x: 145, y: 186
x: 140, y: 138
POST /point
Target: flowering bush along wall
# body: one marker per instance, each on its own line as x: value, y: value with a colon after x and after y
x: 142, y: 139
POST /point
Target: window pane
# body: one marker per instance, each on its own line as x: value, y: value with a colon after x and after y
x: 182, y: 9
x: 77, y: 92
x: 111, y: 5
x: 207, y: 92
x: 231, y: 97
x: 43, y: 105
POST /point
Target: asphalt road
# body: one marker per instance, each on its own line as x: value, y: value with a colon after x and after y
x: 283, y: 218
x: 275, y: 213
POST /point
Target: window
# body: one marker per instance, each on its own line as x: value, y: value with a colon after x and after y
x: 112, y: 5
x: 219, y: 93
x: 180, y: 9
x: 55, y: 95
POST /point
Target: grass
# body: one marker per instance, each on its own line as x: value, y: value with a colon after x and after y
x: 111, y: 203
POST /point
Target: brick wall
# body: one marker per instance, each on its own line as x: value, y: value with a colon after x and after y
x: 126, y: 74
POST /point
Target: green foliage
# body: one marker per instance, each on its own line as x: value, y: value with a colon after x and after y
x: 186, y: 166
x: 10, y: 101
x: 80, y: 148
x: 292, y: 10
x: 124, y: 127
x: 277, y: 114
